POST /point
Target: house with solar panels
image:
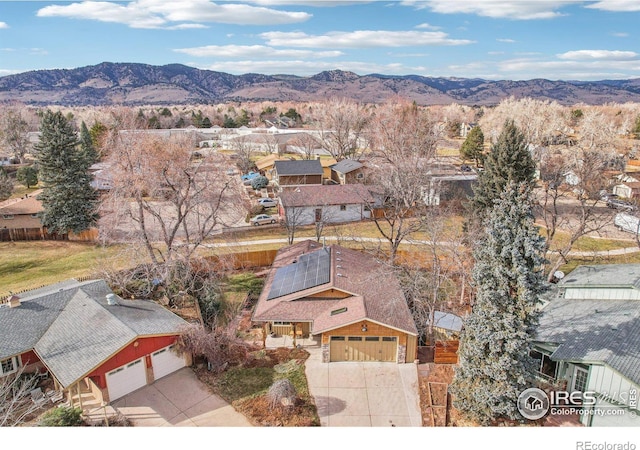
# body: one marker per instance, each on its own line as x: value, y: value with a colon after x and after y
x: 344, y: 300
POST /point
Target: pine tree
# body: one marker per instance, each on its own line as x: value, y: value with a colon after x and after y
x: 6, y: 185
x: 473, y: 146
x: 508, y: 161
x: 495, y: 366
x: 87, y: 146
x: 68, y: 200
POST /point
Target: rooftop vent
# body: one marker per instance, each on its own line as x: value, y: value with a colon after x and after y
x: 112, y: 299
x: 13, y: 301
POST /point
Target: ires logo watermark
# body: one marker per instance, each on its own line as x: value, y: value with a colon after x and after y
x: 534, y: 403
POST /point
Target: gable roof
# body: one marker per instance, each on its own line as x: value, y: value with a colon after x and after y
x: 346, y: 166
x: 299, y: 167
x: 336, y: 194
x: 73, y: 329
x: 603, y: 330
x: 29, y: 205
x: 372, y: 292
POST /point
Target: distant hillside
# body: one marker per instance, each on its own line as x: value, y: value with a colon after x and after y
x: 139, y: 84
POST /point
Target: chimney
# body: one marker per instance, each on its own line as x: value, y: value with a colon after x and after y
x: 13, y: 301
x: 111, y: 299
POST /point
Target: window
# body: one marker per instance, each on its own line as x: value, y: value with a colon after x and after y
x: 35, y: 216
x: 372, y: 338
x: 7, y: 216
x: 360, y: 176
x: 355, y: 338
x: 281, y: 323
x: 8, y: 366
x: 388, y: 338
x: 343, y: 207
x: 337, y: 338
x: 580, y: 379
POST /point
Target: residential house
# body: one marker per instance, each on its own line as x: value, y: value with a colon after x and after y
x: 446, y: 329
x: 447, y: 183
x: 101, y: 177
x: 465, y: 128
x: 348, y: 301
x: 89, y: 339
x: 326, y: 163
x: 629, y: 189
x: 19, y: 213
x: 347, y: 171
x: 588, y: 340
x: 306, y: 205
x: 297, y: 173
x: 5, y: 159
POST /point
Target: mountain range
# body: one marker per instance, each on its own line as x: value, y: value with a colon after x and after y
x: 141, y: 84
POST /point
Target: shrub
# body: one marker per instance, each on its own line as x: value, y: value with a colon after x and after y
x: 64, y: 416
x: 259, y: 182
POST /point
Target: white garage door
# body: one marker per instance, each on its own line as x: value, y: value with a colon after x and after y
x: 166, y: 361
x: 126, y: 379
x: 623, y: 418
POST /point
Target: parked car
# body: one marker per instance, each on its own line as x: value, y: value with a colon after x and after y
x: 249, y: 176
x: 267, y: 202
x: 465, y: 168
x: 616, y: 203
x: 605, y: 196
x: 263, y: 219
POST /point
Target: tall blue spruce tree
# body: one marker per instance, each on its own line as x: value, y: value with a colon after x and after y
x: 494, y: 362
x: 68, y: 200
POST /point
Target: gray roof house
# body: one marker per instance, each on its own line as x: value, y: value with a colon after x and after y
x: 588, y: 338
x: 81, y: 331
x: 298, y: 172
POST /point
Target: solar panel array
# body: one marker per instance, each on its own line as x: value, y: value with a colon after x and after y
x: 310, y: 270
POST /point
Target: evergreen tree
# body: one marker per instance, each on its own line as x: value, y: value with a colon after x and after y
x: 473, y: 146
x: 28, y: 176
x: 68, y: 200
x: 6, y: 185
x: 508, y: 161
x: 87, y: 146
x: 495, y: 366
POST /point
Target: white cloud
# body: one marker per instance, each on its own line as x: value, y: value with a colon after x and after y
x: 427, y: 26
x: 321, y: 3
x: 507, y: 9
x: 3, y: 25
x: 160, y: 13
x: 620, y: 35
x: 4, y: 72
x: 616, y: 5
x: 253, y: 51
x: 360, y: 39
x: 507, y: 41
x: 608, y: 55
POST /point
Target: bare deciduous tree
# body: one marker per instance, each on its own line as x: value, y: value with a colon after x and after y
x: 341, y: 124
x: 15, y: 398
x: 164, y: 199
x: 13, y: 133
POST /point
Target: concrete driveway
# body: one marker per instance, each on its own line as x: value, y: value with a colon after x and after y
x: 179, y: 399
x: 364, y: 394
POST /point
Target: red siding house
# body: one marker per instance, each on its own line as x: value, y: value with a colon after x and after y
x: 87, y: 338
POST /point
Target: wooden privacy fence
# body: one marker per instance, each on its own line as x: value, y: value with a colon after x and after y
x: 41, y: 234
x: 243, y: 260
x: 29, y: 234
x: 446, y: 352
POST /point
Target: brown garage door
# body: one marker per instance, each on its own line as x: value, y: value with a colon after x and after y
x: 363, y: 348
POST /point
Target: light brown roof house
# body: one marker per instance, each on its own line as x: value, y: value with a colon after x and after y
x: 346, y: 300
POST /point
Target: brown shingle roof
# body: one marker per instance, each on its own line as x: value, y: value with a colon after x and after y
x: 373, y: 293
x: 29, y: 205
x: 347, y: 194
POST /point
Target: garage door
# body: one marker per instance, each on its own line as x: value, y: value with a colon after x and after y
x: 126, y: 379
x: 363, y: 348
x: 166, y: 361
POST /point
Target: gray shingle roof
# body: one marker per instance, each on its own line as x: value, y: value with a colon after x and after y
x: 346, y: 166
x: 339, y: 194
x: 299, y: 167
x: 604, y: 330
x: 73, y: 329
x: 609, y: 275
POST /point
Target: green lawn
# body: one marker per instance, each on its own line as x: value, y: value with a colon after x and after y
x: 28, y: 265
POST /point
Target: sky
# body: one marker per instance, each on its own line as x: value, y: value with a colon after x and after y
x: 489, y: 39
